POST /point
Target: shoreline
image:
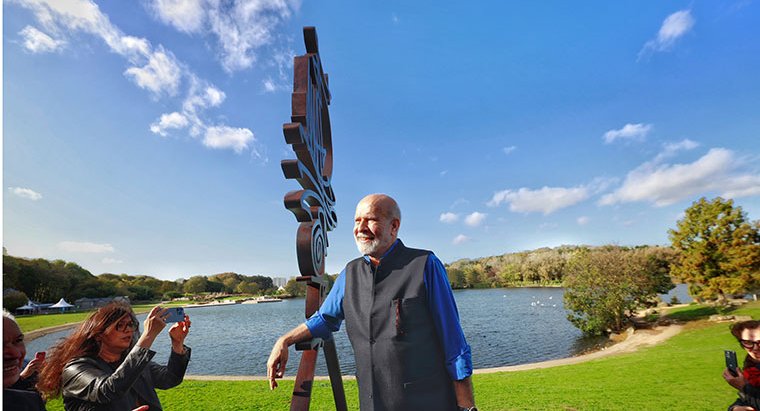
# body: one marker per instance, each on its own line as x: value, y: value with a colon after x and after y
x: 634, y: 341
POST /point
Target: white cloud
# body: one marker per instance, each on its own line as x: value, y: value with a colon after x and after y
x: 583, y: 220
x: 509, y: 150
x: 460, y: 239
x: 634, y: 132
x: 186, y: 15
x: 673, y: 27
x: 27, y: 193
x: 152, y: 68
x: 169, y: 121
x: 546, y: 200
x: 111, y: 261
x: 39, y: 42
x: 269, y: 85
x: 241, y: 27
x: 718, y: 171
x: 160, y: 74
x: 85, y: 247
x: 475, y: 219
x: 228, y: 137
x: 449, y: 218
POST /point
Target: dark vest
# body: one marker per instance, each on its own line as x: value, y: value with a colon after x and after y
x: 399, y: 359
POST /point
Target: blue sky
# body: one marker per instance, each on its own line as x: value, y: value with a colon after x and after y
x: 145, y: 137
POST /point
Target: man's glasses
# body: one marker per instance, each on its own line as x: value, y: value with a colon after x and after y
x: 749, y: 344
x: 126, y: 326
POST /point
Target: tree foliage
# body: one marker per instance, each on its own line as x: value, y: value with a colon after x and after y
x: 718, y: 249
x: 604, y: 286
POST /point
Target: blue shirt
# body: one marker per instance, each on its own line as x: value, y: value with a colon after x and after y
x: 441, y: 304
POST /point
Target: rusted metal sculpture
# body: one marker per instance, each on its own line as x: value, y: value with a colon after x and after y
x: 314, y: 206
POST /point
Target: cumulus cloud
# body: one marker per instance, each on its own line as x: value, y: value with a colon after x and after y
x: 449, y: 218
x: 39, y: 42
x: 154, y: 69
x: 546, y: 199
x: 719, y: 171
x: 583, y: 220
x: 160, y: 74
x: 509, y: 150
x: 27, y: 193
x: 240, y: 27
x: 169, y: 121
x: 85, y: 247
x: 228, y: 137
x: 475, y: 219
x: 673, y: 28
x: 186, y: 15
x: 111, y: 261
x: 460, y: 239
x: 632, y: 132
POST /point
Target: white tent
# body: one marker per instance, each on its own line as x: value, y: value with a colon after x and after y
x: 28, y: 307
x: 62, y: 304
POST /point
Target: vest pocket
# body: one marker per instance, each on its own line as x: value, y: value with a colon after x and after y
x: 407, y: 314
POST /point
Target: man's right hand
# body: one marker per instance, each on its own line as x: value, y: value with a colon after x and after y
x: 277, y: 361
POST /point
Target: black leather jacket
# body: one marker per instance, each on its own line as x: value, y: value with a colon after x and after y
x: 91, y: 384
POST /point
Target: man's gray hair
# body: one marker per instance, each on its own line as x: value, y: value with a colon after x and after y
x: 8, y: 315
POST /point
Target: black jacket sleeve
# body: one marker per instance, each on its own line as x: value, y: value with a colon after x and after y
x: 170, y: 375
x: 85, y: 380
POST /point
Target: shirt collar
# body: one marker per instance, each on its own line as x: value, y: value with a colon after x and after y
x: 366, y: 257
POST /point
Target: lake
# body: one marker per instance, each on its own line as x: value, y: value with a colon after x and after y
x: 504, y: 326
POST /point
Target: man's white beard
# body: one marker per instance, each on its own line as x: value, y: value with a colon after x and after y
x: 368, y: 248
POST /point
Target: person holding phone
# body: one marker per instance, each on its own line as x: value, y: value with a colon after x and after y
x: 14, y: 351
x: 105, y: 364
x: 746, y: 379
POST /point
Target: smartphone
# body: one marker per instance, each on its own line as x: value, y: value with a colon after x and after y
x: 176, y: 314
x: 40, y: 355
x: 731, y: 363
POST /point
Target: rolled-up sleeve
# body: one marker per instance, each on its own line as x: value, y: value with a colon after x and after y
x: 443, y: 309
x: 329, y: 317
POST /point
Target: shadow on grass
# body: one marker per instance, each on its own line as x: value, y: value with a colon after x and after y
x: 695, y: 312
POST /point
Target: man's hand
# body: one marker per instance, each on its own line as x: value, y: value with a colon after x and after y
x: 737, y: 382
x: 742, y: 408
x: 277, y: 361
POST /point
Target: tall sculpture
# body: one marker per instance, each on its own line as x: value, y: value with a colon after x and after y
x: 310, y: 136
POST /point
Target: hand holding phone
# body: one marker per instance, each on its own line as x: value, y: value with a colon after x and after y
x: 39, y: 355
x: 176, y: 314
x: 731, y: 362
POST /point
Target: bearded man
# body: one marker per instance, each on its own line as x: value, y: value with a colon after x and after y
x: 401, y: 319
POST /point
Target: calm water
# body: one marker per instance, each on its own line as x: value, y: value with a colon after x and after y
x: 503, y: 327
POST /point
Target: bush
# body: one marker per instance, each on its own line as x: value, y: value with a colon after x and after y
x: 14, y: 299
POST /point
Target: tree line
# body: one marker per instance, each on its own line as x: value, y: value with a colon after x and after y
x: 48, y: 281
x: 715, y: 249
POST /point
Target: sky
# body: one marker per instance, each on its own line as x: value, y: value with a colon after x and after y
x: 145, y: 137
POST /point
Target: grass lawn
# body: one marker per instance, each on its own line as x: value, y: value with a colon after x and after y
x: 33, y: 322
x: 683, y: 373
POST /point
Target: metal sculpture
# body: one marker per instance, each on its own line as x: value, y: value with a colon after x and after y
x: 310, y: 136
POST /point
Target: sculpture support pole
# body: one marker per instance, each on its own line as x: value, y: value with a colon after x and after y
x: 310, y: 135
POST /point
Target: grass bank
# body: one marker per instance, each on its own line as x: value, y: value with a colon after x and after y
x: 683, y: 373
x: 30, y: 323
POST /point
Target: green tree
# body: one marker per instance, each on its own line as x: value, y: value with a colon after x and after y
x: 195, y: 285
x: 296, y: 288
x: 717, y: 249
x: 603, y: 287
x: 14, y: 299
x: 247, y: 287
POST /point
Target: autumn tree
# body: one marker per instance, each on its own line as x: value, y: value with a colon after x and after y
x: 604, y: 287
x: 717, y: 249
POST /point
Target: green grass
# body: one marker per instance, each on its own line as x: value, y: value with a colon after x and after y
x: 683, y: 373
x: 33, y: 322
